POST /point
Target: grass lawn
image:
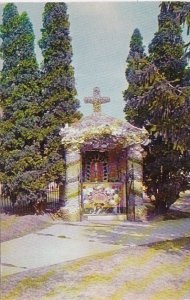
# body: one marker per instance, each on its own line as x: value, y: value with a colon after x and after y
x: 159, y: 271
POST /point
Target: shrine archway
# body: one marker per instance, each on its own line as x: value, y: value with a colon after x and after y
x: 101, y: 151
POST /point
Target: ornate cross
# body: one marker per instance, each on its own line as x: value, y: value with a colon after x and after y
x: 96, y: 100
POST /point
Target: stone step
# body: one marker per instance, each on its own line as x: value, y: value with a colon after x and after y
x: 119, y: 217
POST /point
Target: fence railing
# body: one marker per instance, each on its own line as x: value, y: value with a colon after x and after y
x: 52, y: 203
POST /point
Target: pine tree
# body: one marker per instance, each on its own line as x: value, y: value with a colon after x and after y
x: 136, y: 61
x: 20, y: 160
x: 59, y: 103
x: 167, y: 95
x: 167, y: 47
x: 166, y: 99
x: 167, y: 159
x: 178, y: 11
x: 8, y: 34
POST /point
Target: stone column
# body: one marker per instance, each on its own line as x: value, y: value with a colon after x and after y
x: 72, y: 209
x: 136, y: 207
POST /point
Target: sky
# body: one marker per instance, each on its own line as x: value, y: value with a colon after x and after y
x: 101, y: 33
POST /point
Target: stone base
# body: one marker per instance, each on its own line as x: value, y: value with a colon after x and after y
x: 140, y: 213
x: 106, y: 217
x: 69, y: 215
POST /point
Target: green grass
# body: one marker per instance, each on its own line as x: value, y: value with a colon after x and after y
x: 28, y: 283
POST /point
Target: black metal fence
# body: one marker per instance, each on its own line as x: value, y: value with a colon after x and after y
x: 54, y: 199
x: 52, y: 203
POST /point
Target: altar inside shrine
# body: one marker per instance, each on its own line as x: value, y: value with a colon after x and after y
x: 104, y: 181
x: 103, y: 166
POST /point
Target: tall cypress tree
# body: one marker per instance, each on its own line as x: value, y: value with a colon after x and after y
x: 136, y: 61
x: 167, y: 159
x: 167, y: 54
x: 20, y: 159
x: 59, y: 103
x: 167, y: 47
x: 8, y: 34
x: 167, y: 116
x: 178, y: 10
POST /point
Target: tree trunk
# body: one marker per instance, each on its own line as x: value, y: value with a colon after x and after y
x: 161, y: 207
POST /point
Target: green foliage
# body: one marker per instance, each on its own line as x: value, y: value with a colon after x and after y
x: 35, y: 105
x: 161, y: 103
x: 179, y: 11
x: 59, y: 103
x: 167, y: 50
x: 136, y: 61
x: 21, y: 161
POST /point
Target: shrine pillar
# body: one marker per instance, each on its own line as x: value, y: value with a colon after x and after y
x: 136, y: 207
x: 72, y: 209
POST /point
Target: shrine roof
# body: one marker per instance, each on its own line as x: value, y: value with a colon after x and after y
x: 99, y: 119
x: 99, y: 128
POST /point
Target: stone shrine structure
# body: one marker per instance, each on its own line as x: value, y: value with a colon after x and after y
x: 103, y: 167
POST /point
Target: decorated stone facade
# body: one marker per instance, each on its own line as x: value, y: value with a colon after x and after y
x: 103, y: 166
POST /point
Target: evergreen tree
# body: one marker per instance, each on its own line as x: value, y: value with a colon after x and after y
x: 167, y: 118
x: 167, y: 161
x: 136, y: 61
x: 177, y: 10
x: 167, y: 47
x: 20, y: 160
x: 167, y: 94
x: 59, y: 103
x: 8, y: 34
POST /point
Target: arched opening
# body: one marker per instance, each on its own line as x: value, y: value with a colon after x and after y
x: 104, y: 181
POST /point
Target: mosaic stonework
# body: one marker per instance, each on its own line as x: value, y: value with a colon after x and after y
x: 102, y: 198
x: 104, y: 165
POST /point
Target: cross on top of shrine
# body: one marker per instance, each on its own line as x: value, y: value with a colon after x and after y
x: 96, y: 100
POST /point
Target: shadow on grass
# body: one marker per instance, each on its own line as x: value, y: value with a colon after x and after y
x: 176, y: 245
x: 172, y: 214
x: 176, y: 214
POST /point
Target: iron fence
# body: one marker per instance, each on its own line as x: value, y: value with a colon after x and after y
x: 52, y: 203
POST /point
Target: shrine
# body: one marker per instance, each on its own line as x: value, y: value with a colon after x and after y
x: 103, y: 167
